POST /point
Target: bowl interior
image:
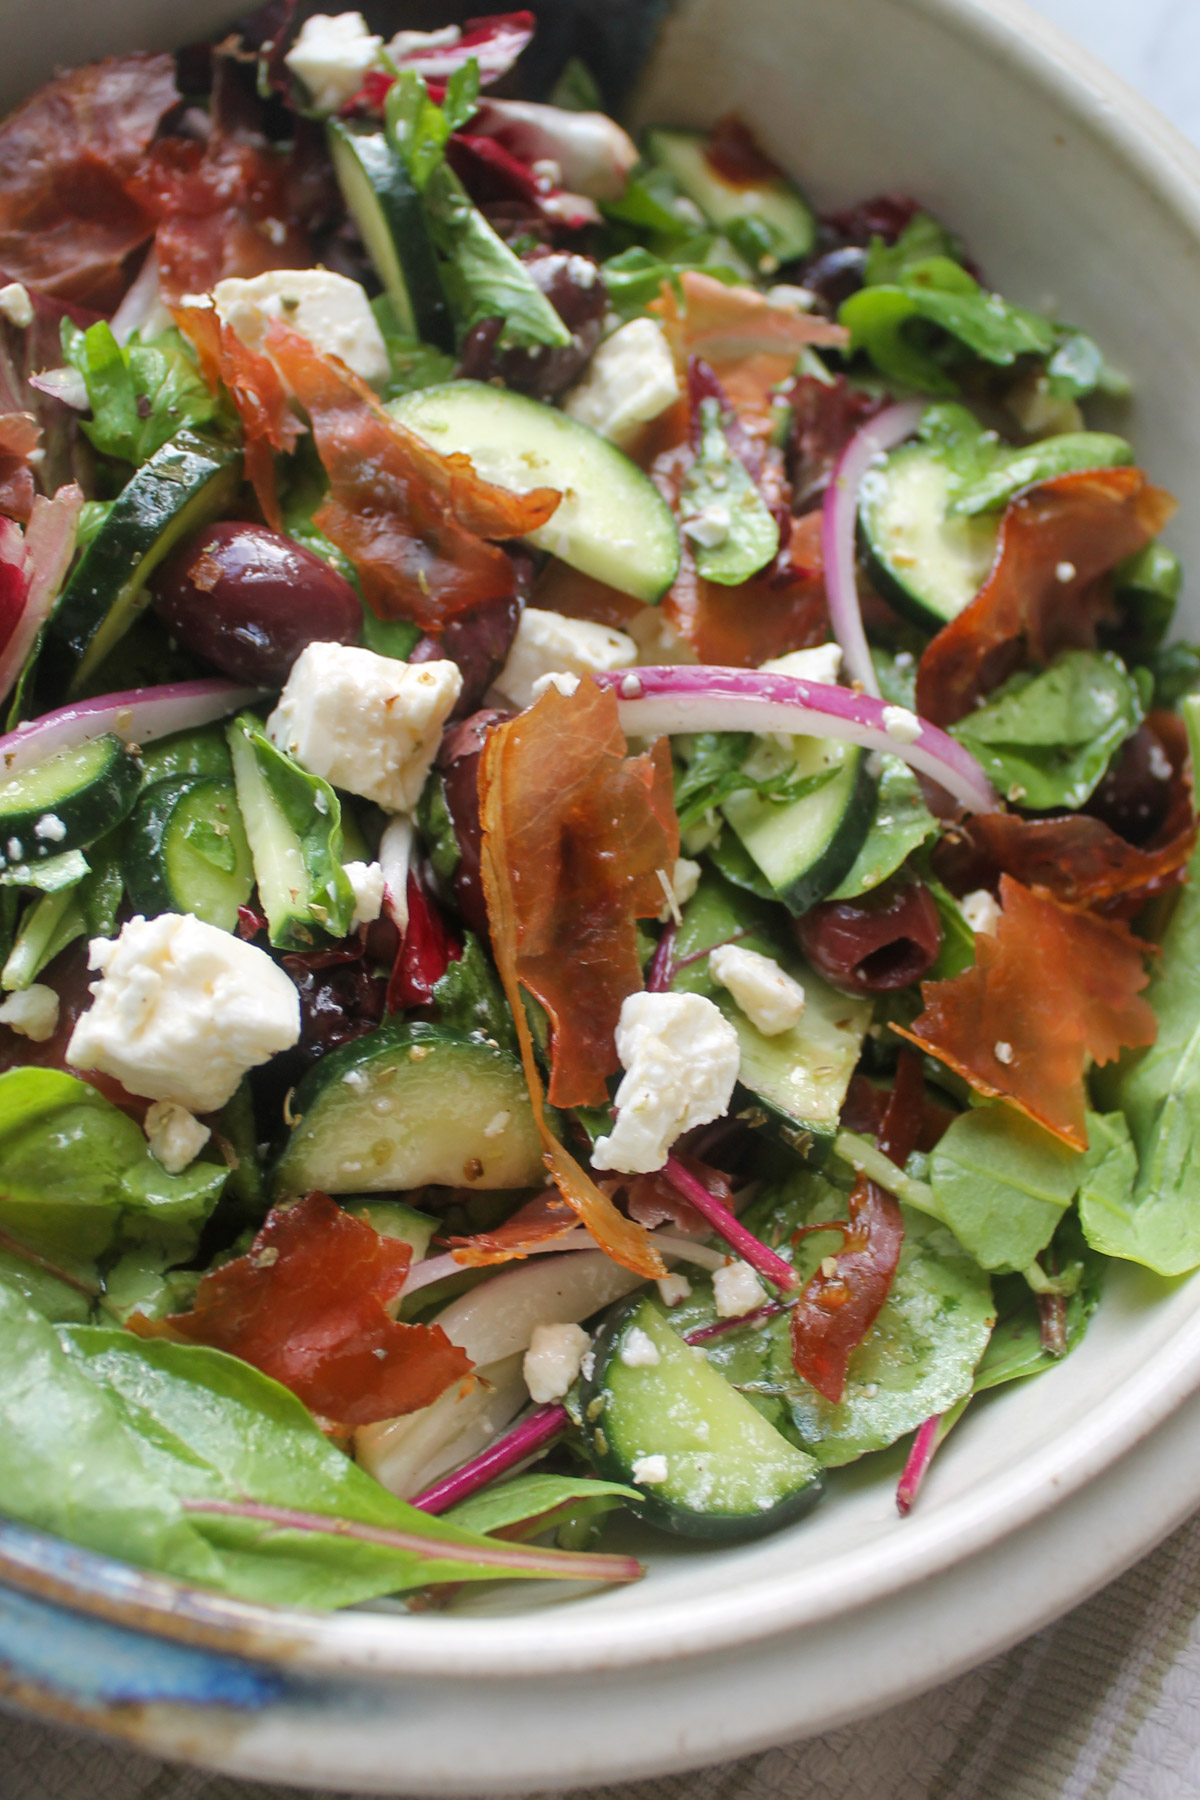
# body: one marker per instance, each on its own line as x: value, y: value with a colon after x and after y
x: 1069, y: 193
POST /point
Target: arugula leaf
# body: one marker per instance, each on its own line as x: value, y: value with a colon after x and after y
x: 544, y: 1501
x: 1002, y: 1184
x: 140, y: 394
x: 902, y: 823
x: 1047, y: 739
x: 722, y: 513
x: 469, y: 997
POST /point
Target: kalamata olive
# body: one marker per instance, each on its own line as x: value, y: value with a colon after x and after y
x: 478, y: 639
x: 458, y: 761
x: 249, y: 600
x: 1135, y: 794
x: 575, y: 289
x: 835, y: 275
x: 887, y: 939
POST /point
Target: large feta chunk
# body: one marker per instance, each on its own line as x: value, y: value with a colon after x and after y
x: 680, y: 1056
x: 331, y: 56
x: 553, y: 1360
x: 182, y: 1010
x: 364, y: 722
x: 176, y: 1136
x: 630, y: 380
x: 330, y: 310
x: 769, y: 997
x: 548, y: 643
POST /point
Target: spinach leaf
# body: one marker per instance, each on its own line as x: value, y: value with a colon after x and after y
x: 1002, y: 1184
x: 1078, y: 368
x: 543, y: 1501
x: 1015, y: 1348
x: 469, y: 997
x: 1146, y: 587
x: 140, y: 394
x: 715, y: 771
x: 1047, y: 739
x: 888, y: 264
x: 414, y: 364
x: 55, y: 1298
x: 937, y: 292
x: 722, y: 513
x: 1025, y: 465
x: 902, y: 823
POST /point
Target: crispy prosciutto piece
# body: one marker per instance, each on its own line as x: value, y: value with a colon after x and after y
x: 1051, y: 987
x: 308, y: 1306
x: 412, y: 521
x: 842, y: 1300
x: 542, y: 1219
x: 574, y: 832
x: 268, y: 423
x: 67, y: 219
x: 1046, y: 591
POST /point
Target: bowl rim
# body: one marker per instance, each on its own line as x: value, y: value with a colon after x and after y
x: 581, y: 1639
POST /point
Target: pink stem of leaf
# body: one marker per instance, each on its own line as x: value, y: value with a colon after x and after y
x: 916, y: 1468
x: 764, y: 1261
x: 530, y: 1437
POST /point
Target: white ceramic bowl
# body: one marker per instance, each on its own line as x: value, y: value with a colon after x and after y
x: 1065, y: 185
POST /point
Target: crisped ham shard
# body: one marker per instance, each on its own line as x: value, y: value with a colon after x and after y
x: 268, y: 423
x: 1051, y: 987
x: 540, y: 1221
x: 412, y: 521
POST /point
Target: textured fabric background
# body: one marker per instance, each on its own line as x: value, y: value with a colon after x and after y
x: 1105, y: 1705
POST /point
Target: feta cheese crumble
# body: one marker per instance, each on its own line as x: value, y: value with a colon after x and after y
x: 331, y: 56
x: 364, y: 722
x: 649, y: 1471
x: 639, y: 1351
x: 182, y: 1010
x: 680, y: 1056
x: 685, y: 879
x: 32, y: 1011
x: 770, y: 998
x: 630, y: 380
x: 367, y: 881
x: 16, y: 305
x: 709, y: 526
x: 901, y: 724
x: 50, y: 829
x: 176, y: 1137
x: 980, y: 910
x: 673, y: 1288
x: 330, y: 310
x: 553, y: 1360
x: 548, y: 643
x: 737, y: 1290
x: 822, y: 663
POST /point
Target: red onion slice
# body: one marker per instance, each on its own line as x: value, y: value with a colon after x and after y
x: 839, y: 520
x: 45, y: 553
x: 138, y: 715
x: 660, y: 701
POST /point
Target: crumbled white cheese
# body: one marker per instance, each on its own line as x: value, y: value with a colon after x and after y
x: 822, y: 663
x: 330, y: 310
x: 176, y: 1137
x: 630, y: 380
x: 367, y: 881
x: 770, y: 998
x: 587, y: 1365
x: 558, y: 679
x: 1003, y: 1051
x: 182, y: 1010
x: 901, y: 724
x: 1064, y: 572
x: 649, y: 1471
x: 680, y: 1056
x: 673, y: 1288
x: 50, y: 829
x: 553, y: 1360
x: 331, y: 56
x: 785, y: 297
x: 638, y: 1350
x: 709, y: 526
x: 548, y: 643
x: 498, y: 1124
x: 980, y: 910
x: 32, y: 1011
x: 364, y: 722
x: 685, y: 879
x: 16, y: 305
x: 737, y: 1290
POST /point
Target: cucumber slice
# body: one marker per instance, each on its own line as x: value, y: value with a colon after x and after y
x: 392, y: 1219
x: 762, y: 219
x: 411, y: 1105
x: 185, y: 484
x: 74, y: 797
x: 187, y: 852
x: 186, y: 754
x: 805, y: 847
x: 385, y: 205
x: 611, y: 521
x: 928, y: 562
x: 796, y: 1081
x: 1023, y: 467
x: 728, y: 1473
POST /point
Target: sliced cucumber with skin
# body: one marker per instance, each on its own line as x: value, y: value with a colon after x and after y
x: 406, y: 1106
x: 191, y: 480
x: 928, y: 562
x: 186, y: 754
x: 728, y: 1473
x: 805, y: 847
x: 392, y: 1219
x: 796, y: 1080
x: 384, y: 203
x: 75, y: 797
x: 611, y: 522
x: 186, y: 851
x: 786, y: 226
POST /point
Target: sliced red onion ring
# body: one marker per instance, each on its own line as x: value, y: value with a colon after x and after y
x: 839, y: 520
x: 138, y: 715
x: 46, y: 553
x: 395, y: 854
x: 66, y: 385
x: 658, y: 701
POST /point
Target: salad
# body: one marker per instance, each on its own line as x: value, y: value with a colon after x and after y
x: 595, y: 825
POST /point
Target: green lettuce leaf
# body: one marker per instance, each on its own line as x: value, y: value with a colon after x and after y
x: 717, y: 490
x: 902, y: 823
x: 544, y: 1501
x: 1002, y: 1184
x: 140, y: 394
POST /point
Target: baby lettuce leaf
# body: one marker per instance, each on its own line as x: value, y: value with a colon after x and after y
x: 59, y: 1300
x: 902, y: 823
x: 719, y: 492
x: 1047, y: 739
x: 543, y: 1501
x: 469, y: 997
x: 1002, y: 1184
x: 887, y: 265
x: 140, y: 394
x: 1013, y: 469
x: 1015, y: 1349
